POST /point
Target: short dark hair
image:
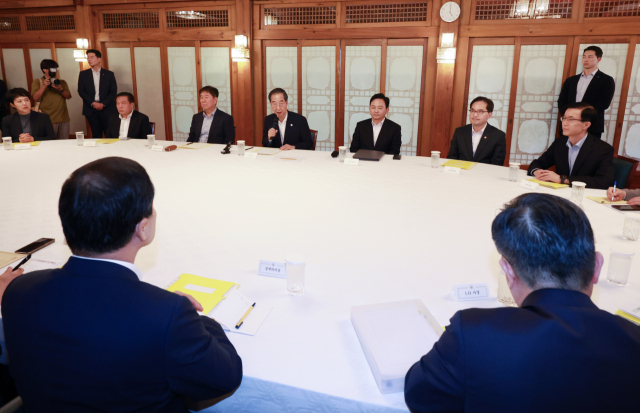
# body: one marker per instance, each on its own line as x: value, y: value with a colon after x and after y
x: 210, y: 90
x: 48, y: 64
x: 547, y: 240
x: 279, y: 90
x: 380, y: 96
x: 588, y: 113
x: 128, y: 95
x: 95, y: 52
x: 595, y: 49
x: 15, y: 93
x: 102, y: 202
x: 488, y: 101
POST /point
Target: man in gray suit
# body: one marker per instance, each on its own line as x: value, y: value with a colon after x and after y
x: 632, y: 196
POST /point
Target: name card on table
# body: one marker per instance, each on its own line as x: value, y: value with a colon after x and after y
x: 351, y: 161
x: 452, y: 170
x: 89, y: 143
x: 157, y: 148
x: 21, y: 146
x: 528, y: 185
x: 251, y: 155
x: 272, y: 269
x: 468, y: 292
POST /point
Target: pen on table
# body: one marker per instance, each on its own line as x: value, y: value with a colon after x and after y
x: 27, y: 258
x: 614, y: 190
x: 245, y: 316
x: 189, y: 143
x: 249, y: 148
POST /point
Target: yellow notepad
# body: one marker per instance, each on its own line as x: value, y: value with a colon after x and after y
x: 34, y: 143
x: 551, y: 185
x: 628, y: 317
x: 206, y: 291
x: 460, y: 164
x: 194, y: 145
x: 107, y: 141
x: 605, y: 200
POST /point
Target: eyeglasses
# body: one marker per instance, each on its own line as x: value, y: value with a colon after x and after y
x: 278, y: 104
x: 478, y: 112
x: 563, y: 119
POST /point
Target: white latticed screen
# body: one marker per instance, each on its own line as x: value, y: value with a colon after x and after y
x: 215, y: 72
x: 149, y: 85
x: 282, y: 72
x: 630, y: 137
x: 183, y: 88
x: 319, y: 93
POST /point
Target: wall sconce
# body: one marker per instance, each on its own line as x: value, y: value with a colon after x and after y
x: 80, y: 54
x: 240, y: 53
x: 447, y: 52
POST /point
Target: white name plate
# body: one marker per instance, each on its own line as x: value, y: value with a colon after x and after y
x: 468, y: 292
x: 22, y: 146
x: 452, y: 170
x: 351, y: 161
x: 272, y: 269
x: 157, y: 148
x: 251, y: 155
x: 89, y: 143
x: 528, y: 185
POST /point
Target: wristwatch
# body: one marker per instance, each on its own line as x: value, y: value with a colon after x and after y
x: 562, y: 178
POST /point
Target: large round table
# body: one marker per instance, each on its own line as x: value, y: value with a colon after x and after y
x: 373, y: 233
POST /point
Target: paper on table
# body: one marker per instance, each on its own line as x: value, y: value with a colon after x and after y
x: 107, y: 141
x: 253, y: 321
x: 269, y: 151
x: 604, y: 200
x: 230, y: 311
x: 460, y: 164
x: 34, y: 143
x: 35, y: 264
x: 208, y: 300
x: 7, y: 258
x: 551, y: 185
x: 194, y: 145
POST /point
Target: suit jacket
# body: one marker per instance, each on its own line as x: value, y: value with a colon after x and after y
x: 389, y: 140
x: 599, y: 95
x: 97, y: 339
x: 492, y: 148
x: 222, y: 128
x: 631, y: 193
x: 139, y: 126
x: 108, y: 91
x: 296, y: 133
x: 41, y: 127
x: 593, y: 165
x: 558, y: 353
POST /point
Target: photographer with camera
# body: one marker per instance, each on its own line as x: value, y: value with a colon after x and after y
x: 51, y: 94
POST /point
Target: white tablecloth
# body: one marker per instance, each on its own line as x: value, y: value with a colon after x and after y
x: 377, y: 232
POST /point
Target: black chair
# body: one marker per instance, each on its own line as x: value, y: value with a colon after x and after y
x: 624, y: 170
x: 314, y: 137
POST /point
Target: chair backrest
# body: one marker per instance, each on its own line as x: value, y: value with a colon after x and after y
x: 624, y: 170
x: 314, y: 137
x: 153, y: 127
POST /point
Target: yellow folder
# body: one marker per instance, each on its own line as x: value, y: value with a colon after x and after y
x: 206, y: 291
x: 551, y: 185
x: 460, y: 164
x: 107, y: 141
x: 34, y: 143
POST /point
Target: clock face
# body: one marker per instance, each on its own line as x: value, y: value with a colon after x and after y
x: 450, y: 11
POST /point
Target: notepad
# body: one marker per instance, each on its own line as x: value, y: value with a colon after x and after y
x: 605, y: 200
x: 551, y: 185
x: 194, y: 145
x: 7, y: 258
x: 460, y: 164
x: 34, y: 143
x: 107, y: 141
x: 629, y: 317
x: 206, y: 291
x: 631, y: 312
x: 269, y: 151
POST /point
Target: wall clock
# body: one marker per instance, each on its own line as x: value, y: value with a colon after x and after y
x: 450, y: 11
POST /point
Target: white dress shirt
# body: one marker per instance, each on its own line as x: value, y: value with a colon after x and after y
x: 128, y: 265
x: 475, y: 137
x: 96, y: 82
x: 574, y: 150
x: 124, y: 125
x: 282, y: 126
x: 206, y: 126
x: 583, y: 84
x: 376, y: 130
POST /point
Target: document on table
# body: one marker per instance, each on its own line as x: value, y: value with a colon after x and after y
x: 194, y: 145
x: 34, y: 143
x: 36, y: 264
x: 460, y: 164
x: 605, y: 200
x: 551, y: 185
x: 269, y: 151
x: 107, y: 141
x: 7, y: 258
x: 206, y: 291
x: 631, y: 312
x: 230, y: 311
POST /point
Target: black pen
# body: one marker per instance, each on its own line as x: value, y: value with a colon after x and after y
x: 28, y: 257
x: 249, y: 148
x: 189, y: 143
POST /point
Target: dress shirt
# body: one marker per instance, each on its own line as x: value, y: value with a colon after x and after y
x: 583, y: 84
x: 206, y: 126
x: 475, y: 137
x: 282, y: 126
x: 574, y: 150
x: 128, y: 265
x: 25, y: 121
x: 376, y: 130
x: 124, y: 125
x: 96, y: 82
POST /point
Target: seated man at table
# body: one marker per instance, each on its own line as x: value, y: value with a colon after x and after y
x: 578, y: 157
x: 92, y: 336
x: 128, y: 123
x: 25, y: 125
x: 212, y: 125
x: 284, y: 129
x: 377, y: 133
x: 632, y: 196
x: 557, y: 352
x: 479, y: 141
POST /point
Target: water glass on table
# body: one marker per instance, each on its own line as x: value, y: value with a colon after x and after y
x: 295, y: 264
x: 80, y: 138
x: 342, y: 153
x: 435, y: 159
x: 631, y: 228
x: 241, y: 148
x: 151, y: 140
x: 6, y: 142
x: 620, y: 260
x: 577, y: 192
x: 514, y: 171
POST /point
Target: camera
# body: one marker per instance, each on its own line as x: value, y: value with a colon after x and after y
x: 53, y: 72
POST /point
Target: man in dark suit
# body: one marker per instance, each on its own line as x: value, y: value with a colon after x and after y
x: 91, y: 336
x: 128, y: 123
x: 579, y: 157
x: 25, y: 125
x: 556, y: 353
x: 282, y: 123
x: 378, y: 133
x: 97, y: 87
x: 479, y: 141
x: 591, y: 86
x: 212, y: 125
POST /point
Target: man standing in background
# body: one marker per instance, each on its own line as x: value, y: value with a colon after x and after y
x: 52, y: 94
x: 98, y: 88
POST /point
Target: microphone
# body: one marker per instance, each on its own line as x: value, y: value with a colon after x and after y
x: 334, y: 154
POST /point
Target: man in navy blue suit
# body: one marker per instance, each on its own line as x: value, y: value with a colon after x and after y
x: 556, y: 353
x: 284, y: 129
x: 91, y: 336
x: 98, y: 88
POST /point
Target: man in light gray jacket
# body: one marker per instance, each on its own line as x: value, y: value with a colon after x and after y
x: 632, y: 196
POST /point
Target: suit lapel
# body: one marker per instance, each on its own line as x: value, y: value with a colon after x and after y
x: 288, y: 128
x: 467, y: 140
x: 483, y: 142
x: 593, y: 85
x: 131, y: 124
x: 214, y: 124
x: 384, y: 131
x: 16, y: 125
x: 583, y: 154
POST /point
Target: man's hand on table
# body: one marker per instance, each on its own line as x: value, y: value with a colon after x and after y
x: 287, y: 147
x: 547, y: 176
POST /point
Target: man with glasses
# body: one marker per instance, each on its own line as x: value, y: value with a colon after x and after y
x: 284, y: 129
x: 579, y: 157
x: 479, y: 141
x: 591, y: 86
